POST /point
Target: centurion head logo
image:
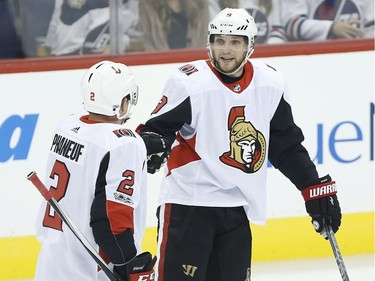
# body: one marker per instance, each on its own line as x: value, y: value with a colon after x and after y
x: 247, y: 145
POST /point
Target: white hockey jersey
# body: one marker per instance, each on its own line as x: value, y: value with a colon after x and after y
x: 86, y: 159
x: 220, y: 158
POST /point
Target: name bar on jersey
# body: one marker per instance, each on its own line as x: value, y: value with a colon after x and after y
x: 66, y: 147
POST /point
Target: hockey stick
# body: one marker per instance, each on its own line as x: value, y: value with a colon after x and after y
x: 52, y: 201
x: 336, y: 252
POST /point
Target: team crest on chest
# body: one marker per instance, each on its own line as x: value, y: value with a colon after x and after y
x: 247, y: 144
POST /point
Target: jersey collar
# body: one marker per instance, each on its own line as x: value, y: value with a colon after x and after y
x: 239, y: 85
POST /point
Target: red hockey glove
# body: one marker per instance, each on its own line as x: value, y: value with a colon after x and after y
x: 139, y: 268
x: 322, y: 205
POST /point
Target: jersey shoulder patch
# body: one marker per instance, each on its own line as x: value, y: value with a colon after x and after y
x: 188, y: 69
x: 124, y: 133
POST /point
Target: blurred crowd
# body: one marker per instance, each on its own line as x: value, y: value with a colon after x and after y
x: 42, y: 28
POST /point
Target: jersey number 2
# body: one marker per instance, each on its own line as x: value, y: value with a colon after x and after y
x: 51, y: 218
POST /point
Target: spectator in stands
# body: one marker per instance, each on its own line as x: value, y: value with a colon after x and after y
x: 266, y: 14
x: 33, y: 18
x: 216, y: 6
x: 82, y: 27
x: 173, y: 24
x: 328, y: 19
x: 368, y: 7
x: 10, y: 43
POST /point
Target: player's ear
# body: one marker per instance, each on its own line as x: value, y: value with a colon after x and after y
x: 124, y: 106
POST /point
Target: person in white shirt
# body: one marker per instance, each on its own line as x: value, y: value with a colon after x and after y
x: 83, y: 27
x: 328, y: 19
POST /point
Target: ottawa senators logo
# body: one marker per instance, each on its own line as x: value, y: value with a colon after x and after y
x: 247, y: 145
x: 188, y: 69
x: 124, y: 133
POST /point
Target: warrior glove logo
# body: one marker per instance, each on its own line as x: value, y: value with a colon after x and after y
x: 319, y: 191
x: 247, y: 145
x: 189, y: 270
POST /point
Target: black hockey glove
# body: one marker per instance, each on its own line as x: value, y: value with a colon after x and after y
x: 158, y: 150
x: 322, y: 205
x: 139, y: 268
x: 156, y: 161
x: 155, y: 143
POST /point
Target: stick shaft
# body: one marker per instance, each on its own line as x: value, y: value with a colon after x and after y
x: 337, y: 253
x: 33, y: 177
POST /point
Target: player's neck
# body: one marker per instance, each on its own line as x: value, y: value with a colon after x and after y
x: 231, y: 79
x: 104, y: 118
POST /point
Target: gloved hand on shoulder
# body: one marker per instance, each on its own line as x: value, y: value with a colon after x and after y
x: 322, y: 204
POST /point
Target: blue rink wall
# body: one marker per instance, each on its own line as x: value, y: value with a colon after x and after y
x: 332, y: 96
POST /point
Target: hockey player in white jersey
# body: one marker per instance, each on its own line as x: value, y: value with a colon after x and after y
x: 96, y: 171
x: 219, y: 120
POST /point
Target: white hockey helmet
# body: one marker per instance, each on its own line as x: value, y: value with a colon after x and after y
x: 232, y: 22
x: 104, y: 86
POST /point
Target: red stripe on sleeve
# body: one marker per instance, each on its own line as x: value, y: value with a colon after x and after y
x: 120, y: 217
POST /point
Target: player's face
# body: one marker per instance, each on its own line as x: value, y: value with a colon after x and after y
x: 229, y: 51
